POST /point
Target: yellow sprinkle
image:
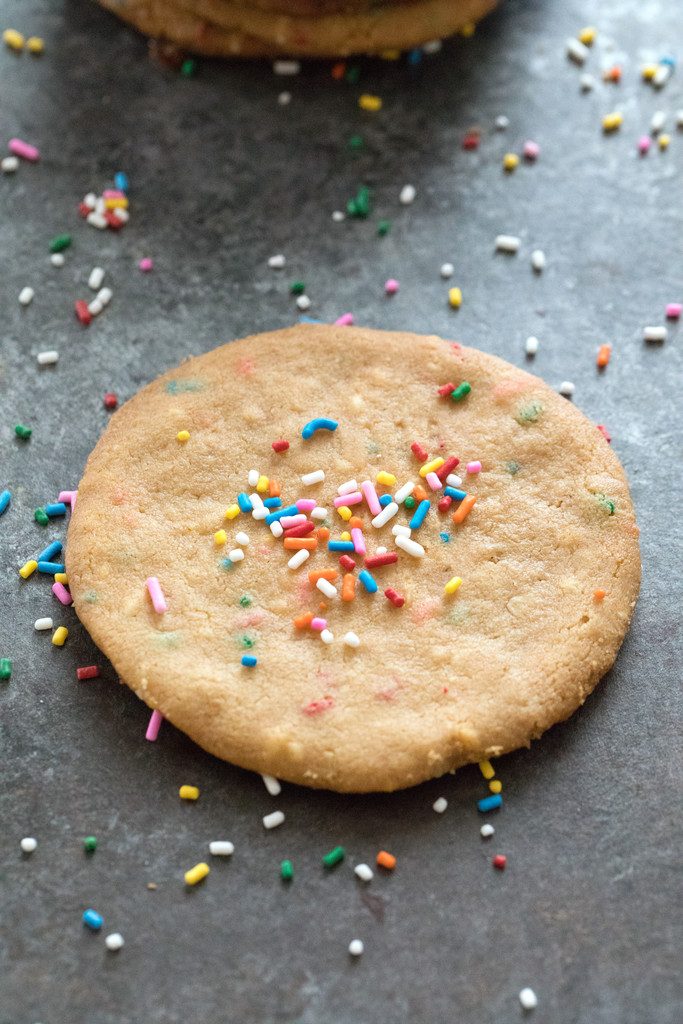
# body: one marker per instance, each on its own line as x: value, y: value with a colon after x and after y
x: 611, y: 122
x: 345, y: 512
x: 13, y: 39
x: 35, y: 45
x: 588, y: 35
x: 455, y: 298
x: 27, y: 569
x: 219, y: 538
x: 196, y: 874
x: 385, y: 479
x: 468, y: 29
x: 232, y: 511
x: 664, y: 140
x: 648, y: 72
x: 390, y: 54
x: 496, y: 786
x: 486, y: 769
x: 262, y: 485
x: 188, y: 793
x: 510, y: 161
x: 368, y: 102
x: 453, y: 585
x: 431, y: 467
x: 183, y: 435
x: 59, y: 636
x: 116, y: 203
x: 345, y: 536
x: 61, y: 577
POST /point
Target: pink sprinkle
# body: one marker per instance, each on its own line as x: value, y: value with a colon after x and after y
x: 68, y: 497
x: 146, y: 264
x: 157, y: 595
x: 288, y: 521
x: 61, y: 593
x: 391, y: 286
x: 305, y: 505
x: 433, y: 481
x: 24, y: 150
x: 674, y: 310
x: 531, y: 150
x: 319, y: 624
x: 316, y: 707
x: 474, y: 467
x: 644, y: 143
x: 348, y: 499
x: 370, y: 495
x: 154, y: 726
x: 113, y: 193
x: 345, y: 320
x: 358, y: 541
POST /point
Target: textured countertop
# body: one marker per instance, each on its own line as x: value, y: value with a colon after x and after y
x: 222, y: 176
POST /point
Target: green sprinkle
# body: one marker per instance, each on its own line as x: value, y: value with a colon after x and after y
x: 23, y: 432
x: 606, y: 503
x: 5, y: 668
x: 188, y: 68
x: 246, y: 600
x: 383, y: 227
x: 60, y: 243
x: 334, y: 857
x: 90, y: 844
x: 286, y: 871
x: 352, y: 75
x: 297, y: 287
x: 409, y: 502
x: 512, y: 467
x: 177, y: 387
x: 529, y: 412
x: 247, y: 641
x: 225, y: 563
x: 356, y: 142
x: 41, y: 516
x: 461, y: 391
x: 361, y: 204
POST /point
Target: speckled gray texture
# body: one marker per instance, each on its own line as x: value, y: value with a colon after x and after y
x: 222, y: 177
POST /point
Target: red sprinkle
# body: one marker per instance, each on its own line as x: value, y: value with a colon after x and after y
x: 499, y: 861
x: 88, y: 672
x: 84, y: 210
x: 301, y: 530
x: 445, y: 503
x: 445, y: 389
x: 280, y: 446
x: 419, y: 452
x: 394, y: 597
x: 372, y: 561
x: 471, y: 140
x: 112, y: 221
x: 110, y: 400
x: 448, y: 467
x: 82, y: 312
x: 605, y: 433
x: 347, y: 563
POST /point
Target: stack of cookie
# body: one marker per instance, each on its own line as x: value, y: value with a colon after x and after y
x: 305, y: 28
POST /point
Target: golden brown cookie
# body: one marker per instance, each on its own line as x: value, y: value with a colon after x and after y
x: 548, y: 556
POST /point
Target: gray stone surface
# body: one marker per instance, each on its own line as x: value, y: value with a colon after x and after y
x: 222, y: 177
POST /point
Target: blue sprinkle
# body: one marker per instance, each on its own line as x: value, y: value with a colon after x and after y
x: 303, y: 319
x: 320, y: 423
x: 414, y: 58
x: 248, y: 660
x: 669, y: 61
x: 419, y: 514
x: 368, y: 581
x: 272, y: 517
x: 445, y: 537
x: 244, y: 502
x: 272, y: 502
x: 47, y: 553
x: 385, y: 499
x: 121, y: 181
x: 5, y: 499
x: 227, y: 564
x: 92, y: 920
x: 57, y: 508
x: 340, y: 545
x: 50, y: 567
x: 453, y: 492
x: 490, y: 803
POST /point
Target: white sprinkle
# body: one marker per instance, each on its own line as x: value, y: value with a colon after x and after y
x: 319, y: 513
x: 57, y: 259
x: 105, y: 295
x: 350, y: 639
x: 9, y: 164
x: 48, y: 358
x: 567, y: 388
x: 403, y: 492
x: 356, y: 947
x: 350, y: 487
x: 658, y: 121
x: 277, y: 529
x: 45, y: 623
x: 380, y: 551
x: 253, y: 477
x: 338, y: 216
x: 587, y: 83
x: 272, y: 784
x: 411, y: 547
x: 531, y: 345
x: 100, y: 205
x: 286, y: 67
x: 28, y: 845
x: 679, y: 118
x: 502, y: 122
x: 440, y: 805
x: 316, y: 477
x: 298, y: 558
x: 528, y: 999
x: 327, y: 636
x: 486, y: 831
x: 447, y: 270
x: 273, y: 819
x: 453, y: 480
x: 90, y: 200
x: 661, y: 76
x: 259, y: 513
x: 407, y: 195
x: 114, y: 941
x: 26, y: 296
x: 538, y: 260
x: 654, y: 333
x: 433, y: 46
x: 95, y: 307
x: 364, y: 872
x: 399, y: 530
x: 121, y: 214
x: 96, y: 220
x: 96, y: 278
x: 257, y: 502
x: 236, y: 555
x: 303, y: 302
x: 242, y: 539
x: 326, y: 588
x: 284, y: 98
x: 576, y: 51
x: 276, y: 262
x: 387, y: 513
x: 507, y: 243
x: 221, y: 848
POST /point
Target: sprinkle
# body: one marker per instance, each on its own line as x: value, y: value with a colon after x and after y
x: 368, y: 581
x: 411, y: 547
x: 508, y: 243
x: 567, y: 388
x: 249, y: 661
x: 59, y: 636
x: 370, y: 495
x: 26, y: 296
x: 531, y: 346
x: 486, y: 769
x: 280, y: 446
x: 604, y: 356
x: 403, y: 492
x: 510, y: 162
x: 430, y: 467
x: 461, y: 391
x: 369, y: 102
x: 501, y: 123
x: 385, y: 514
x: 88, y: 672
x: 276, y: 529
x: 474, y: 467
x: 9, y: 164
x: 364, y: 872
x: 381, y: 558
x: 298, y: 559
x: 110, y: 400
x: 576, y: 50
x: 391, y: 286
x: 90, y: 844
x: 23, y: 149
x: 272, y: 785
x: 157, y: 595
x: 496, y: 786
x: 44, y: 623
x: 358, y: 540
x: 396, y: 599
x: 188, y: 793
x: 316, y: 477
x: 60, y: 592
x: 244, y: 503
x: 61, y: 577
x: 83, y: 312
x: 350, y: 639
x: 5, y: 668
x: 399, y: 530
x: 453, y: 584
x: 661, y: 75
x: 356, y: 947
x: 419, y: 515
x: 13, y: 40
x: 447, y: 270
x: 419, y: 452
x: 303, y: 303
x: 612, y: 122
x: 440, y: 805
x: 490, y: 803
x: 528, y: 999
x: 455, y: 494
x: 455, y: 298
x: 40, y: 517
x: 347, y: 563
x: 286, y: 870
x: 499, y: 861
x: 673, y: 310
x: 654, y: 333
x: 334, y: 857
x: 348, y: 587
x: 286, y: 67
x: 236, y: 555
x: 92, y: 920
x: 29, y: 845
x: 320, y: 423
x: 407, y: 195
x: 486, y: 831
x: 242, y: 539
x: 196, y: 874
x: 297, y: 543
x: 538, y: 260
x: 326, y: 588
x: 5, y: 498
x: 531, y: 150
x: 114, y: 942
x: 48, y: 358
x: 273, y: 819
x: 386, y: 860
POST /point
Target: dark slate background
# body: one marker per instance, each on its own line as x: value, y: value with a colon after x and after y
x: 222, y: 177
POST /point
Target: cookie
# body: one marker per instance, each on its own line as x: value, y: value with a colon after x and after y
x: 444, y: 673
x: 298, y: 27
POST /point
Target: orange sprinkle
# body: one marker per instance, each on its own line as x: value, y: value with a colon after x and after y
x: 274, y: 489
x: 604, y: 355
x: 355, y: 523
x: 297, y: 543
x: 322, y: 533
x: 322, y: 574
x: 348, y: 587
x: 612, y: 74
x: 338, y: 71
x: 463, y: 510
x: 420, y: 494
x: 304, y: 621
x: 599, y: 595
x: 386, y: 860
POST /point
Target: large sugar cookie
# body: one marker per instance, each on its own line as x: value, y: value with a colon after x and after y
x: 548, y: 556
